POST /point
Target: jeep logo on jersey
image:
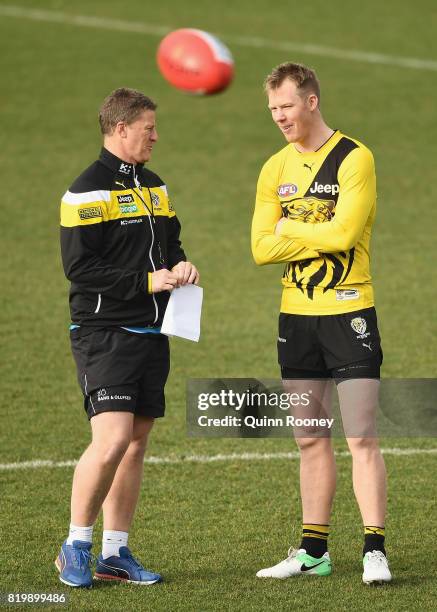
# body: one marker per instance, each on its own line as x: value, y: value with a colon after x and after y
x: 318, y: 188
x: 287, y: 189
x: 92, y: 212
x: 125, y: 208
x: 125, y: 199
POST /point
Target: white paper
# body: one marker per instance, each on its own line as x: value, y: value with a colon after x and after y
x: 182, y: 316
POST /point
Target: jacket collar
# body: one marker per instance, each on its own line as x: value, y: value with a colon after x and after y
x: 116, y: 164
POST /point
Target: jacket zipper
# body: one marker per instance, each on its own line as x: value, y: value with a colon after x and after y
x: 138, y: 184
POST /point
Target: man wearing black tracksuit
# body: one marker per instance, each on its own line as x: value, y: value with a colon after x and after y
x: 122, y: 253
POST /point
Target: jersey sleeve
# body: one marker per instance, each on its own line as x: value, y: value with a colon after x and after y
x: 357, y: 195
x: 267, y: 248
x: 82, y: 216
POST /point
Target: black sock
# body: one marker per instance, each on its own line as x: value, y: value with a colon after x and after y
x: 374, y: 538
x: 315, y: 539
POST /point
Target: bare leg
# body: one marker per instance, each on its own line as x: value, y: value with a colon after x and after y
x: 317, y: 462
x: 93, y: 476
x: 358, y: 403
x: 120, y: 503
x: 317, y: 479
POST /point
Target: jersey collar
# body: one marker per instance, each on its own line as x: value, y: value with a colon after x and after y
x: 116, y: 164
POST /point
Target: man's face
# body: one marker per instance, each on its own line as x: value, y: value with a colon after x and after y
x: 139, y: 137
x: 291, y: 111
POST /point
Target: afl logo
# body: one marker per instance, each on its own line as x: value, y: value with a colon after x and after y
x: 287, y: 189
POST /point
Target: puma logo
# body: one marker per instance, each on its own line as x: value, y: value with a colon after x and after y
x: 121, y: 184
x: 309, y: 166
x: 367, y: 345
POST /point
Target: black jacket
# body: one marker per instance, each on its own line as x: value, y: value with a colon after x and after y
x: 117, y: 227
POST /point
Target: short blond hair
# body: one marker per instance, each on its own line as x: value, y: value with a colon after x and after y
x: 123, y: 104
x: 305, y: 78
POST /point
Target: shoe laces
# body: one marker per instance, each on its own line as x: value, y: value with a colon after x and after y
x: 378, y: 556
x: 292, y: 553
x: 134, y: 561
x: 82, y: 557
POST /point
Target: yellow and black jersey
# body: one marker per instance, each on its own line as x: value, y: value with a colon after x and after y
x: 328, y: 198
x: 117, y: 227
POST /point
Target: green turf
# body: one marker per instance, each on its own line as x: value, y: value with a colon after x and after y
x: 208, y: 527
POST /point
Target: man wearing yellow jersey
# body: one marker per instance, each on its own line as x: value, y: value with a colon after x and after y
x: 314, y: 211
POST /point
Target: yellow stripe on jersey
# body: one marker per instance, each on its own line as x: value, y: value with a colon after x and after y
x: 127, y: 203
x: 93, y: 207
x: 85, y: 208
x: 133, y: 202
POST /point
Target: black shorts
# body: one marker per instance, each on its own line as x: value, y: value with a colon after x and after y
x: 330, y: 346
x: 121, y: 371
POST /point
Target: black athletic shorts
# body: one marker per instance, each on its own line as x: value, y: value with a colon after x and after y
x: 330, y: 346
x: 121, y: 371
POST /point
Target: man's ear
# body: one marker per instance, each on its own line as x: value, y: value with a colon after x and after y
x: 121, y: 129
x: 313, y: 101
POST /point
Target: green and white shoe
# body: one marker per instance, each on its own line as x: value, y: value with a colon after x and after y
x: 376, y: 569
x: 298, y: 563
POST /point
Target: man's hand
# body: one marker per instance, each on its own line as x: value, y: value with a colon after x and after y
x: 186, y: 273
x: 278, y: 225
x: 163, y: 280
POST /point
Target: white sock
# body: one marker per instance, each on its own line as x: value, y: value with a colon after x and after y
x: 84, y: 534
x: 112, y: 541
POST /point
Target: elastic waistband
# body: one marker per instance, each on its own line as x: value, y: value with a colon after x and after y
x: 134, y: 330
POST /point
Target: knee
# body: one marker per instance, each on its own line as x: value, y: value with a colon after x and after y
x: 363, y: 447
x: 140, y: 437
x: 112, y: 451
x: 137, y: 448
x: 317, y: 445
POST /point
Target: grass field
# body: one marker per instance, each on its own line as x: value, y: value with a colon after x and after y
x: 209, y: 526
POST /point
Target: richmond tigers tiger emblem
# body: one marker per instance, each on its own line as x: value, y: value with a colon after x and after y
x: 328, y: 269
x: 309, y: 210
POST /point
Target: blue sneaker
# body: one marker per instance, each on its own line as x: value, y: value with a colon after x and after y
x: 73, y: 564
x: 124, y: 568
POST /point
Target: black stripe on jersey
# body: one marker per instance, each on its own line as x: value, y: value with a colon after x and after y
x: 337, y: 271
x: 326, y: 177
x: 293, y: 266
x: 349, y: 266
x: 316, y: 278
